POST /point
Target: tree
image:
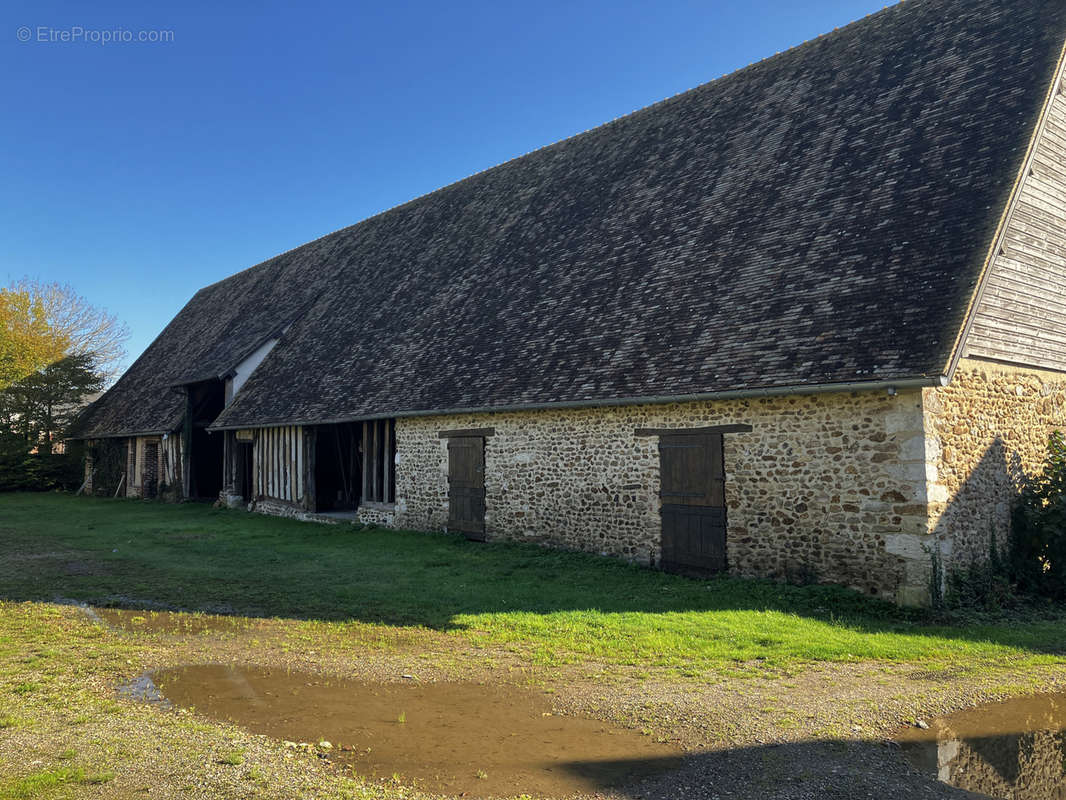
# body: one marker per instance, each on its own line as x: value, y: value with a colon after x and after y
x: 85, y: 329
x: 36, y: 410
x: 28, y: 341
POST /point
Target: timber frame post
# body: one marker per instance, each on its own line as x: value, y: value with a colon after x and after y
x: 186, y: 445
x: 310, y: 434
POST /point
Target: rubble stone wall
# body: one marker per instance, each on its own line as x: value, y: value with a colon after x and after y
x: 988, y: 432
x: 827, y: 487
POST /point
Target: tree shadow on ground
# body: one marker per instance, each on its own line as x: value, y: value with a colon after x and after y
x: 146, y: 555
x: 833, y: 770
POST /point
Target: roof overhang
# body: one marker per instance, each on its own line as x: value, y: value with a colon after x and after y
x: 131, y: 435
x: 926, y: 381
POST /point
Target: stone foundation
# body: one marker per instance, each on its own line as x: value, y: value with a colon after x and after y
x: 281, y: 508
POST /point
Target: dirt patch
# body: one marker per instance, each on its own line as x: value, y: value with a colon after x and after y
x: 1015, y: 749
x: 473, y: 740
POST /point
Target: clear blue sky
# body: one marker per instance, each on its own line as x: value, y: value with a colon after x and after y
x: 139, y: 172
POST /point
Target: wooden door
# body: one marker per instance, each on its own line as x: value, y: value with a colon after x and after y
x: 693, y: 503
x: 466, y: 486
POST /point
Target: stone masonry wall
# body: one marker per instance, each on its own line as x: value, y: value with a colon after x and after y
x: 828, y: 487
x: 988, y: 431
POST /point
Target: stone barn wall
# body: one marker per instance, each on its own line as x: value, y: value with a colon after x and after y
x: 988, y: 431
x: 825, y: 487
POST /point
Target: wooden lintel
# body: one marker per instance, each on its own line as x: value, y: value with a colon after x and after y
x: 740, y: 428
x: 472, y: 432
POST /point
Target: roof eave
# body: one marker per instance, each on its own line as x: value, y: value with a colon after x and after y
x: 924, y: 381
x: 126, y: 435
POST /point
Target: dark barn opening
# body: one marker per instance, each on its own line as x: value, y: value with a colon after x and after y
x: 245, y: 454
x: 206, y: 450
x: 337, y: 468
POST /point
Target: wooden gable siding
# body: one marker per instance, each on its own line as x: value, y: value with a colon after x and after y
x: 1021, y: 318
x: 278, y: 463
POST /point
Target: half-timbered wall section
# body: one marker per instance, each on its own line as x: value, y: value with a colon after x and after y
x: 153, y: 467
x: 278, y: 463
x: 1021, y: 318
x: 379, y: 474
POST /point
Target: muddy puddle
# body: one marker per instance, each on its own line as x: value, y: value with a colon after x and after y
x: 172, y: 622
x: 451, y: 738
x: 1013, y: 751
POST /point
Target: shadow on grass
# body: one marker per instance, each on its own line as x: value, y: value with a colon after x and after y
x: 193, y: 557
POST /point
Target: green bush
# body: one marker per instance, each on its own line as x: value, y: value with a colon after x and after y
x: 1038, y: 543
x: 34, y: 472
x: 987, y: 584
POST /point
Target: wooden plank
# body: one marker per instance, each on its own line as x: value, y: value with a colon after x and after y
x: 227, y: 461
x: 294, y: 463
x: 274, y: 462
x: 386, y: 463
x: 375, y: 490
x: 283, y: 475
x: 299, y: 462
x: 365, y: 494
x: 474, y: 432
x: 714, y: 429
x: 310, y: 435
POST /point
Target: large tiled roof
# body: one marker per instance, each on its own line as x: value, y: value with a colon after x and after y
x: 821, y: 217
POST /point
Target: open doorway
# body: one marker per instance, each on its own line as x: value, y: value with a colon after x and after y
x: 338, y: 476
x: 206, y: 450
x: 245, y: 452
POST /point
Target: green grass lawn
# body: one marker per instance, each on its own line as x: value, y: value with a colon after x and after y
x: 558, y: 607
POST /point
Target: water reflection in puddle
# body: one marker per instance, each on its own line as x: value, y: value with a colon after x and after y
x: 452, y: 738
x: 1014, y: 750
x: 171, y: 622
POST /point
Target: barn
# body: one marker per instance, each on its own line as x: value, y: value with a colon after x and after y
x: 806, y: 321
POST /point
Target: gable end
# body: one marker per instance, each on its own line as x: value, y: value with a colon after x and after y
x: 1020, y: 315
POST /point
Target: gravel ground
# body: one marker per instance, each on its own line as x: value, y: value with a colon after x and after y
x: 801, y: 771
x: 821, y: 731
